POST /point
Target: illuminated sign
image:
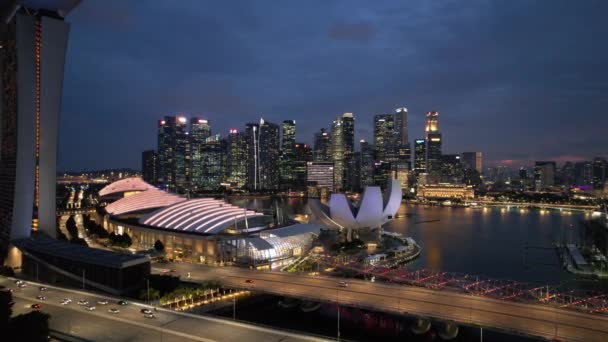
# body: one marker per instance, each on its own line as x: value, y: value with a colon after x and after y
x: 233, y: 131
x: 435, y: 139
x: 162, y: 122
x: 201, y: 121
x: 181, y: 119
x: 420, y: 141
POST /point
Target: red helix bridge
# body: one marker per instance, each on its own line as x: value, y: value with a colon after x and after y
x: 593, y: 302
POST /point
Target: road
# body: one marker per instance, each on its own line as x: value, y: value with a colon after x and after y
x: 530, y: 319
x: 130, y: 324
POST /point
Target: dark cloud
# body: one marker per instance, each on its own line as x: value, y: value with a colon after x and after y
x: 518, y: 80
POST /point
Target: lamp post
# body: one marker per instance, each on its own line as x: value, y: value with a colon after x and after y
x: 338, y: 305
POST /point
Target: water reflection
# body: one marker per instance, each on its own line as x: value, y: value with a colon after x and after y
x: 491, y: 241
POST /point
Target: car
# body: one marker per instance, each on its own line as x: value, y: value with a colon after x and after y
x: 149, y: 315
x: 40, y: 297
x: 89, y: 308
x: 64, y: 302
x: 102, y: 302
x: 67, y: 300
x: 145, y: 311
x: 342, y: 284
x: 174, y: 270
x: 18, y: 281
x: 22, y: 285
x: 113, y: 310
x: 35, y: 306
x: 83, y: 302
x: 249, y: 281
x: 42, y: 288
x: 122, y: 303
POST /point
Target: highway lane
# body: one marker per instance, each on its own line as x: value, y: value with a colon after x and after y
x: 538, y: 320
x: 130, y: 324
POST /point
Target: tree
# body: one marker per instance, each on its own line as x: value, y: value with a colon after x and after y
x: 70, y: 225
x: 158, y: 246
x: 33, y: 326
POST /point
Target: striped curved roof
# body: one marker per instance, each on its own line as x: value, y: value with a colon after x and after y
x: 201, y: 215
x: 149, y: 199
x: 125, y: 185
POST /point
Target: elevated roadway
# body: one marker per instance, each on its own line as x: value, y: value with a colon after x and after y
x: 528, y: 319
x: 130, y: 324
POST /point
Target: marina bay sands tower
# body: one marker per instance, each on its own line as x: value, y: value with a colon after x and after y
x: 33, y: 42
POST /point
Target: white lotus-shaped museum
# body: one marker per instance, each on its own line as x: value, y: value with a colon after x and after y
x: 374, y: 210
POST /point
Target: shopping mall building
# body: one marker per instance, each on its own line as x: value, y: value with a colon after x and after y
x: 202, y: 230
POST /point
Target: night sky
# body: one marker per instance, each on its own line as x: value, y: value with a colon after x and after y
x: 517, y: 80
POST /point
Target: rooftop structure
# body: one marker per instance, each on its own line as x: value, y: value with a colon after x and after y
x: 145, y: 200
x: 202, y: 215
x: 125, y: 186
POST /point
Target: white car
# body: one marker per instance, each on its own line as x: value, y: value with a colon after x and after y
x: 83, y: 302
x: 102, y: 302
x: 342, y: 284
x: 113, y: 311
x: 40, y: 297
x: 89, y: 308
x: 149, y: 315
x: 22, y: 285
x: 64, y: 302
x: 67, y: 300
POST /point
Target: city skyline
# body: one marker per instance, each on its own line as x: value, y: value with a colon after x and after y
x: 219, y: 71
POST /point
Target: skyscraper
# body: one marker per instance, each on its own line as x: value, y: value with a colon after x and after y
x: 544, y: 174
x: 302, y: 155
x: 236, y: 163
x: 433, y: 149
x: 600, y: 170
x: 252, y: 141
x: 200, y: 130
x: 366, y: 164
x: 451, y: 169
x: 268, y: 155
x: 173, y: 152
x: 33, y: 43
x: 149, y: 166
x: 472, y: 160
x: 420, y: 156
x: 322, y: 146
x: 401, y: 126
x: 385, y: 137
x: 342, y: 142
x: 287, y: 173
x: 583, y: 173
x: 213, y: 160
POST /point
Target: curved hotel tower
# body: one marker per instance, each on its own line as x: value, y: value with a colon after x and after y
x: 33, y: 41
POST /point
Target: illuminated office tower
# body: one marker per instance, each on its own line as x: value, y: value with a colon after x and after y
x: 252, y: 140
x: 472, y: 160
x: 268, y: 155
x: 199, y: 132
x: 149, y: 166
x: 404, y: 153
x: 322, y: 146
x: 600, y: 171
x: 342, y: 143
x: 366, y: 164
x: 213, y: 159
x: 302, y: 155
x: 451, y: 169
x: 287, y: 159
x: 173, y: 152
x: 385, y: 138
x: 433, y: 148
x: 33, y: 42
x: 420, y: 156
x: 236, y: 162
